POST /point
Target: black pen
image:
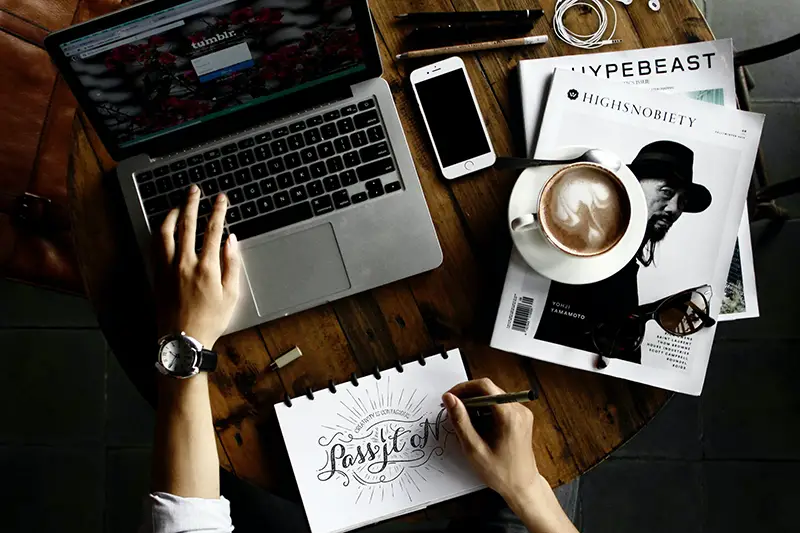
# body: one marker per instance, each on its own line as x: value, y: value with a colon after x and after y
x: 469, y: 16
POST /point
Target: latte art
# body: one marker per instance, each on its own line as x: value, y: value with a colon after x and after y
x: 584, y: 210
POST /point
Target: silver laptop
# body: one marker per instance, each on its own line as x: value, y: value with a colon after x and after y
x: 277, y: 103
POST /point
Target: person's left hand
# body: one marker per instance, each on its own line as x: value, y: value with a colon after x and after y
x: 195, y: 293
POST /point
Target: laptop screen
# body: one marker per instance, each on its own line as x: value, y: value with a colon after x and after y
x: 206, y: 58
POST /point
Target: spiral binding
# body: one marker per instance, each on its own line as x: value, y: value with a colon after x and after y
x: 376, y: 373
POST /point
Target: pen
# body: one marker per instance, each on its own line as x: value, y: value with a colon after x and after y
x: 445, y: 34
x: 513, y: 397
x: 474, y: 47
x: 464, y: 16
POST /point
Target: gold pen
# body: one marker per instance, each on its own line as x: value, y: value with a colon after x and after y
x: 512, y: 397
x: 474, y: 47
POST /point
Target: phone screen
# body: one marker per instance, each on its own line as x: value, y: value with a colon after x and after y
x: 452, y: 117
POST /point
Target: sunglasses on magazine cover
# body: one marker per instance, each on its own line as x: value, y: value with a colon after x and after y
x: 681, y: 315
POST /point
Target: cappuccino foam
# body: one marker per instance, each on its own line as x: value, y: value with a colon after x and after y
x: 585, y: 210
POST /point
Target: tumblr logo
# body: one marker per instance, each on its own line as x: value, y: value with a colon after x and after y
x: 572, y: 94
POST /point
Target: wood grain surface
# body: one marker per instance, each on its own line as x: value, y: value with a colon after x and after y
x: 580, y: 417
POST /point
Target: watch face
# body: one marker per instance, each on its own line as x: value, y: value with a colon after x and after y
x: 177, y: 357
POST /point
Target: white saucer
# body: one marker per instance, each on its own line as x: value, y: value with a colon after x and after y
x: 549, y: 260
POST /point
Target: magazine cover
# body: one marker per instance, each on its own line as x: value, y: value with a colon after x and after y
x: 693, y: 220
x: 703, y: 71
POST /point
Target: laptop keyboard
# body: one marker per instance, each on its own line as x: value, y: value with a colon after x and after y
x: 282, y: 176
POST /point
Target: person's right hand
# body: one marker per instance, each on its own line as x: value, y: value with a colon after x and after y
x: 504, y: 458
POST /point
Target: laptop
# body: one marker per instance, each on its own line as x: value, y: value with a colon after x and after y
x: 277, y: 103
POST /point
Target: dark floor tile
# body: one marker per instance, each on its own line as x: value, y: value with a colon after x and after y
x: 632, y: 495
x: 751, y: 401
x: 52, y: 386
x: 752, y: 496
x: 26, y: 306
x: 52, y: 490
x: 674, y: 433
x: 127, y: 483
x: 777, y: 261
x: 130, y: 419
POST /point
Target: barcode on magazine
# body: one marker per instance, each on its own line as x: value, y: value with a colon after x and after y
x: 521, y: 314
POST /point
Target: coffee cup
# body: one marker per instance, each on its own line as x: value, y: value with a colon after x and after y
x: 583, y: 210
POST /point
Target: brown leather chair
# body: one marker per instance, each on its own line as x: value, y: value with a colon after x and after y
x: 36, y: 114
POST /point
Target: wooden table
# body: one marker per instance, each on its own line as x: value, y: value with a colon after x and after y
x: 580, y: 417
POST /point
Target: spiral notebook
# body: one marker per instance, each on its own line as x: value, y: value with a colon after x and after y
x: 377, y: 446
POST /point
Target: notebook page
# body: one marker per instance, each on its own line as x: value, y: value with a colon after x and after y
x: 379, y: 449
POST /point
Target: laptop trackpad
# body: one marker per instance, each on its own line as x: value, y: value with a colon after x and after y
x: 295, y: 269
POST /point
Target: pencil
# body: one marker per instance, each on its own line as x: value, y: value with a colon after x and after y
x: 474, y: 47
x: 513, y: 397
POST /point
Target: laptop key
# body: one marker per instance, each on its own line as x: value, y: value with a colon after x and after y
x: 236, y: 196
x: 312, y: 136
x: 265, y: 204
x: 314, y: 188
x: 233, y: 215
x: 375, y: 169
x: 318, y: 170
x: 282, y: 199
x: 292, y: 160
x: 345, y: 126
x: 200, y: 228
x: 180, y: 179
x: 335, y: 164
x: 246, y: 158
x: 331, y: 115
x: 273, y: 221
x: 210, y: 187
x: 213, y: 168
x: 358, y: 139
x: 141, y: 177
x: 249, y: 210
x: 349, y: 110
x: 268, y: 186
x: 259, y: 171
x: 161, y: 171
x: 368, y: 118
x: 285, y: 180
x: 295, y: 141
x: 298, y: 194
x: 156, y: 205
x: 211, y: 154
x: 229, y: 149
x: 366, y: 104
x: 251, y: 191
x: 348, y: 177
x: 263, y: 153
x: 242, y: 176
x: 325, y: 149
x: 392, y: 187
x: 328, y: 131
x: 280, y: 132
x: 276, y: 165
x: 314, y: 121
x: 331, y: 183
x: 374, y: 188
x: 177, y: 165
x: 351, y: 159
x: 359, y: 197
x: 263, y: 137
x: 147, y: 189
x: 177, y: 198
x: 301, y: 175
x: 164, y: 184
x: 230, y: 163
x: 197, y: 174
x: 195, y: 159
x: 246, y: 143
x: 340, y: 199
x: 279, y: 147
x: 226, y: 182
x: 297, y: 126
x: 374, y: 151
x: 322, y: 205
x: 342, y: 144
x: 375, y: 134
x: 309, y: 155
x: 204, y: 208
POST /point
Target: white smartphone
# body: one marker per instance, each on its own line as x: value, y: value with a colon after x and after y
x: 452, y: 117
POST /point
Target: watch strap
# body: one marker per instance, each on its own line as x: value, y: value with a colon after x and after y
x: 208, y: 360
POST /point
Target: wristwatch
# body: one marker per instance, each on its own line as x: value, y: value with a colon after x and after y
x: 181, y: 356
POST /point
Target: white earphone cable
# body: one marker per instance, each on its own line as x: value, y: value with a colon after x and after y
x: 590, y: 41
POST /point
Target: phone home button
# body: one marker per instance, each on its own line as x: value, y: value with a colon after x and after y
x: 469, y: 165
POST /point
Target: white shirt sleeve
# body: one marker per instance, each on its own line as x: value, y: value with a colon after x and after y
x: 167, y: 513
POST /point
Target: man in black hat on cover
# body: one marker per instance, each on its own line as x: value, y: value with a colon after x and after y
x: 665, y: 172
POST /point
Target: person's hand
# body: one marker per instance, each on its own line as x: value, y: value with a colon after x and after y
x: 195, y: 293
x: 503, y: 458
